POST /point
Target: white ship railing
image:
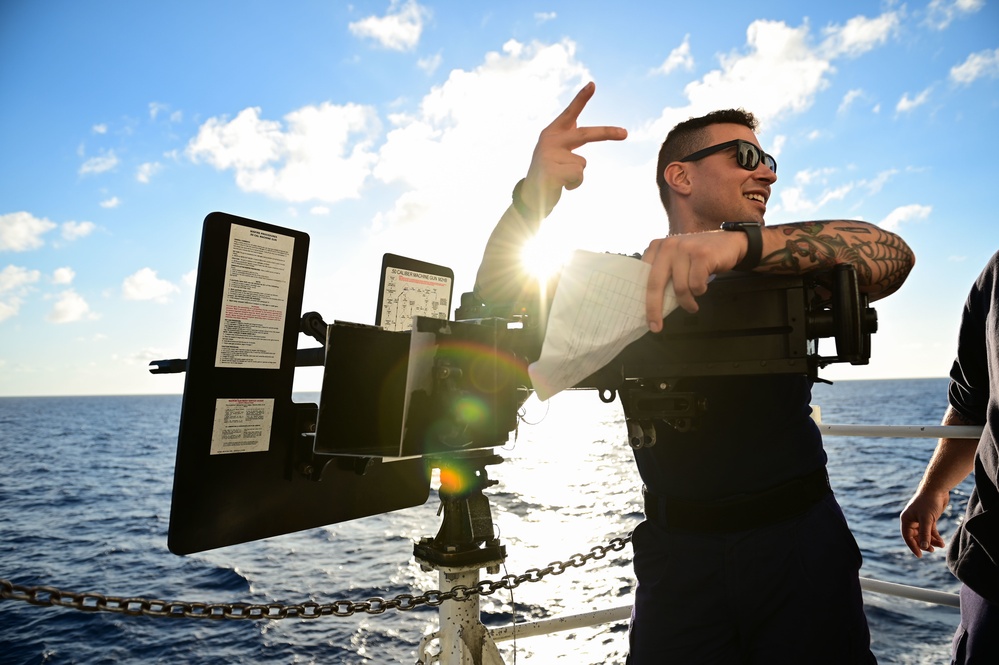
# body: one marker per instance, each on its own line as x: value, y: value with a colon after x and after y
x: 903, y: 431
x: 623, y: 613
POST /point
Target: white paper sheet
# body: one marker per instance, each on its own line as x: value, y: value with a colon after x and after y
x: 599, y: 308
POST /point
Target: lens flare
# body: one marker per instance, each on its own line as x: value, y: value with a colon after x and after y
x: 452, y: 480
x: 457, y: 478
x: 470, y: 410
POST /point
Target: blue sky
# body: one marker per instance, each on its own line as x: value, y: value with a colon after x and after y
x: 402, y: 126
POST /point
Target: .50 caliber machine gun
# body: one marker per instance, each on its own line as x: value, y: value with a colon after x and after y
x: 399, y: 401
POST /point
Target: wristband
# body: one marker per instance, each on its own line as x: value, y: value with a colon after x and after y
x: 755, y: 237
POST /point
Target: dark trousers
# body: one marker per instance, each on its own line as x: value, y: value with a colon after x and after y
x: 787, y: 593
x: 976, y: 641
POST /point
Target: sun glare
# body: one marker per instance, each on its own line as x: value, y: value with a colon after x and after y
x: 543, y: 256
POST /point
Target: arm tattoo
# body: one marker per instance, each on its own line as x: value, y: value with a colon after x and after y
x: 882, y: 260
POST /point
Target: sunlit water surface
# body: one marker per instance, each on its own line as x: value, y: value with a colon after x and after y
x: 85, y: 497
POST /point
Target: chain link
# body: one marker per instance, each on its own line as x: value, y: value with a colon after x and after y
x: 95, y: 602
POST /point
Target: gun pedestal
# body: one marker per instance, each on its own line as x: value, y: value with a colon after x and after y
x: 465, y: 544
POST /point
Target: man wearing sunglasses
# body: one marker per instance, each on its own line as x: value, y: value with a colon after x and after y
x: 744, y: 556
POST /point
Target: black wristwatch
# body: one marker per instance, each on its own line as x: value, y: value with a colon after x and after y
x: 755, y: 251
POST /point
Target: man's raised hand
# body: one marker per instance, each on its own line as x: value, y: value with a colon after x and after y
x: 554, y: 165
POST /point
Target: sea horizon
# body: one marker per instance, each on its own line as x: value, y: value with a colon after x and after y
x: 318, y: 389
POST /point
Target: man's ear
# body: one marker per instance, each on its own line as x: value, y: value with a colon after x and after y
x: 677, y: 178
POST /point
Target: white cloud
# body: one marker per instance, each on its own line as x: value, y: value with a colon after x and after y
x: 813, y: 189
x: 157, y: 108
x: 794, y: 200
x: 319, y: 210
x: 69, y: 308
x: 245, y: 143
x: 190, y: 278
x: 429, y: 149
x: 63, y: 275
x: 147, y: 171
x: 76, y: 230
x: 99, y: 164
x: 780, y: 71
x: 859, y: 35
x: 777, y: 145
x: 849, y: 98
x: 14, y: 283
x: 145, y: 285
x: 679, y: 57
x: 430, y: 63
x: 9, y: 308
x: 15, y: 279
x: 874, y: 186
x: 976, y: 66
x: 940, y: 13
x: 100, y: 129
x: 21, y: 231
x: 398, y: 30
x: 112, y: 202
x: 907, y: 104
x: 809, y: 176
x: 798, y: 198
x: 544, y: 17
x: 904, y: 214
x: 324, y: 154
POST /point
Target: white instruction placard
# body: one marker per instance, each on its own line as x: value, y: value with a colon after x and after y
x: 242, y: 425
x: 410, y: 293
x: 254, y: 298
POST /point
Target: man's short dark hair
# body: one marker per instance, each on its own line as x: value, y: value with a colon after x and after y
x: 690, y: 136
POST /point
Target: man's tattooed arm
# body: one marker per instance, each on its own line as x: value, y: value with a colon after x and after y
x: 881, y: 258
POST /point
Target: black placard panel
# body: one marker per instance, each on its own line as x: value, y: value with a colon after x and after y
x: 235, y: 479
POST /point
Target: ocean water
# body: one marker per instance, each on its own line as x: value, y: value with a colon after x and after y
x: 85, y: 487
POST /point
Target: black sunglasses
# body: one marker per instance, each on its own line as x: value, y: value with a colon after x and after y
x: 747, y: 155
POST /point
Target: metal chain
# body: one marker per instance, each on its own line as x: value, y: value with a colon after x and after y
x: 96, y: 602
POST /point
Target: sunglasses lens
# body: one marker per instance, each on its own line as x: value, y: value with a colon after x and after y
x: 748, y: 156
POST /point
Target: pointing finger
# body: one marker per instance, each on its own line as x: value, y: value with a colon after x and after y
x: 585, y: 135
x: 570, y: 115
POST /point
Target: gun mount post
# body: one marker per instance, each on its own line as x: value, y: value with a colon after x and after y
x: 465, y: 544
